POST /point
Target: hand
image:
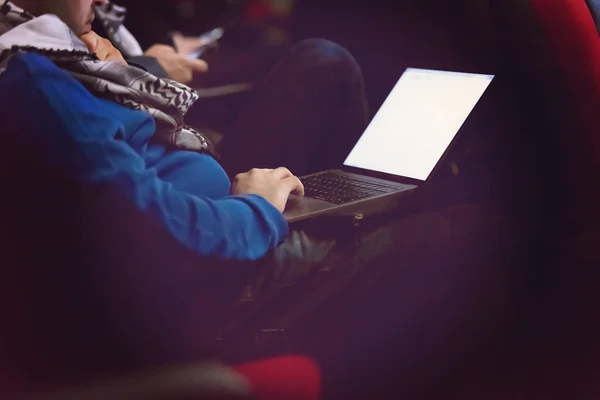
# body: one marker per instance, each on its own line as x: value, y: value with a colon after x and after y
x: 102, y: 47
x: 178, y: 67
x: 274, y: 185
x: 185, y: 45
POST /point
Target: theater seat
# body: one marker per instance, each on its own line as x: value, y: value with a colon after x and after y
x: 574, y: 40
x: 289, y: 377
x: 279, y: 378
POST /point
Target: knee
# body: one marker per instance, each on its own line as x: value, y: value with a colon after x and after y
x: 325, y: 54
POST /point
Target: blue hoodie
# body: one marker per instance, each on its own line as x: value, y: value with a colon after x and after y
x: 186, y: 193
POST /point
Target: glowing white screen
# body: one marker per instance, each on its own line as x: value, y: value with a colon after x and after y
x: 418, y: 120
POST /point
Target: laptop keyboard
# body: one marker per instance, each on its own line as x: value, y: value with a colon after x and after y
x: 340, y: 189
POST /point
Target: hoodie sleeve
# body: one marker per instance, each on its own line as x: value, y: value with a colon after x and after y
x: 149, y: 64
x: 88, y: 134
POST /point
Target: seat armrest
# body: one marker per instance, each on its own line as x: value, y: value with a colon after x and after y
x: 199, y: 381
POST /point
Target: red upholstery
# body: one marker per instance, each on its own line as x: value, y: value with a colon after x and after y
x: 575, y: 42
x: 280, y: 378
x: 573, y: 35
x: 288, y: 377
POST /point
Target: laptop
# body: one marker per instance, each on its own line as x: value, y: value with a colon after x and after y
x: 399, y: 150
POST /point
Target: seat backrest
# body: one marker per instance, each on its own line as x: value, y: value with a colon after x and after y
x: 572, y: 34
x: 571, y: 31
x: 557, y: 48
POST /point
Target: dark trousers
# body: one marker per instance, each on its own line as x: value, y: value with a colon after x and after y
x: 307, y: 115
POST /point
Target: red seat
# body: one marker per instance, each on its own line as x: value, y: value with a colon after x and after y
x: 575, y: 43
x: 279, y: 378
x: 288, y: 377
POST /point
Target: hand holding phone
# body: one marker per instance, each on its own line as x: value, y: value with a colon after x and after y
x: 195, y: 47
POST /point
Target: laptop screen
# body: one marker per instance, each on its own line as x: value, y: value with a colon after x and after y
x: 417, y: 122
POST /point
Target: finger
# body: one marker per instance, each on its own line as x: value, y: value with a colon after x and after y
x: 116, y: 56
x: 254, y: 171
x: 90, y: 40
x: 282, y: 173
x: 294, y: 185
x: 197, y: 65
x: 239, y: 176
x: 101, y: 54
x: 192, y: 41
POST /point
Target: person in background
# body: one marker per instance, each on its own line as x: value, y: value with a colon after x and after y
x: 165, y: 59
x: 255, y: 40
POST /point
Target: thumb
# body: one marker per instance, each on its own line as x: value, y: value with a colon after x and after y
x: 197, y: 65
x: 294, y: 185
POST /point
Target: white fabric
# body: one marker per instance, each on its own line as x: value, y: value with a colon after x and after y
x: 167, y: 101
x: 129, y: 42
x: 48, y: 32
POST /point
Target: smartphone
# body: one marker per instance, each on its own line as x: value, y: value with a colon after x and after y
x: 209, y: 41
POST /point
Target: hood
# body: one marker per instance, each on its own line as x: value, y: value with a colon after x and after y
x: 46, y: 32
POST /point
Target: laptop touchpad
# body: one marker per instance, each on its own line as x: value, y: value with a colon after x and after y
x: 297, y: 206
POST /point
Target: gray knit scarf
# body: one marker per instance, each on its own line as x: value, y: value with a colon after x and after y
x: 167, y: 101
